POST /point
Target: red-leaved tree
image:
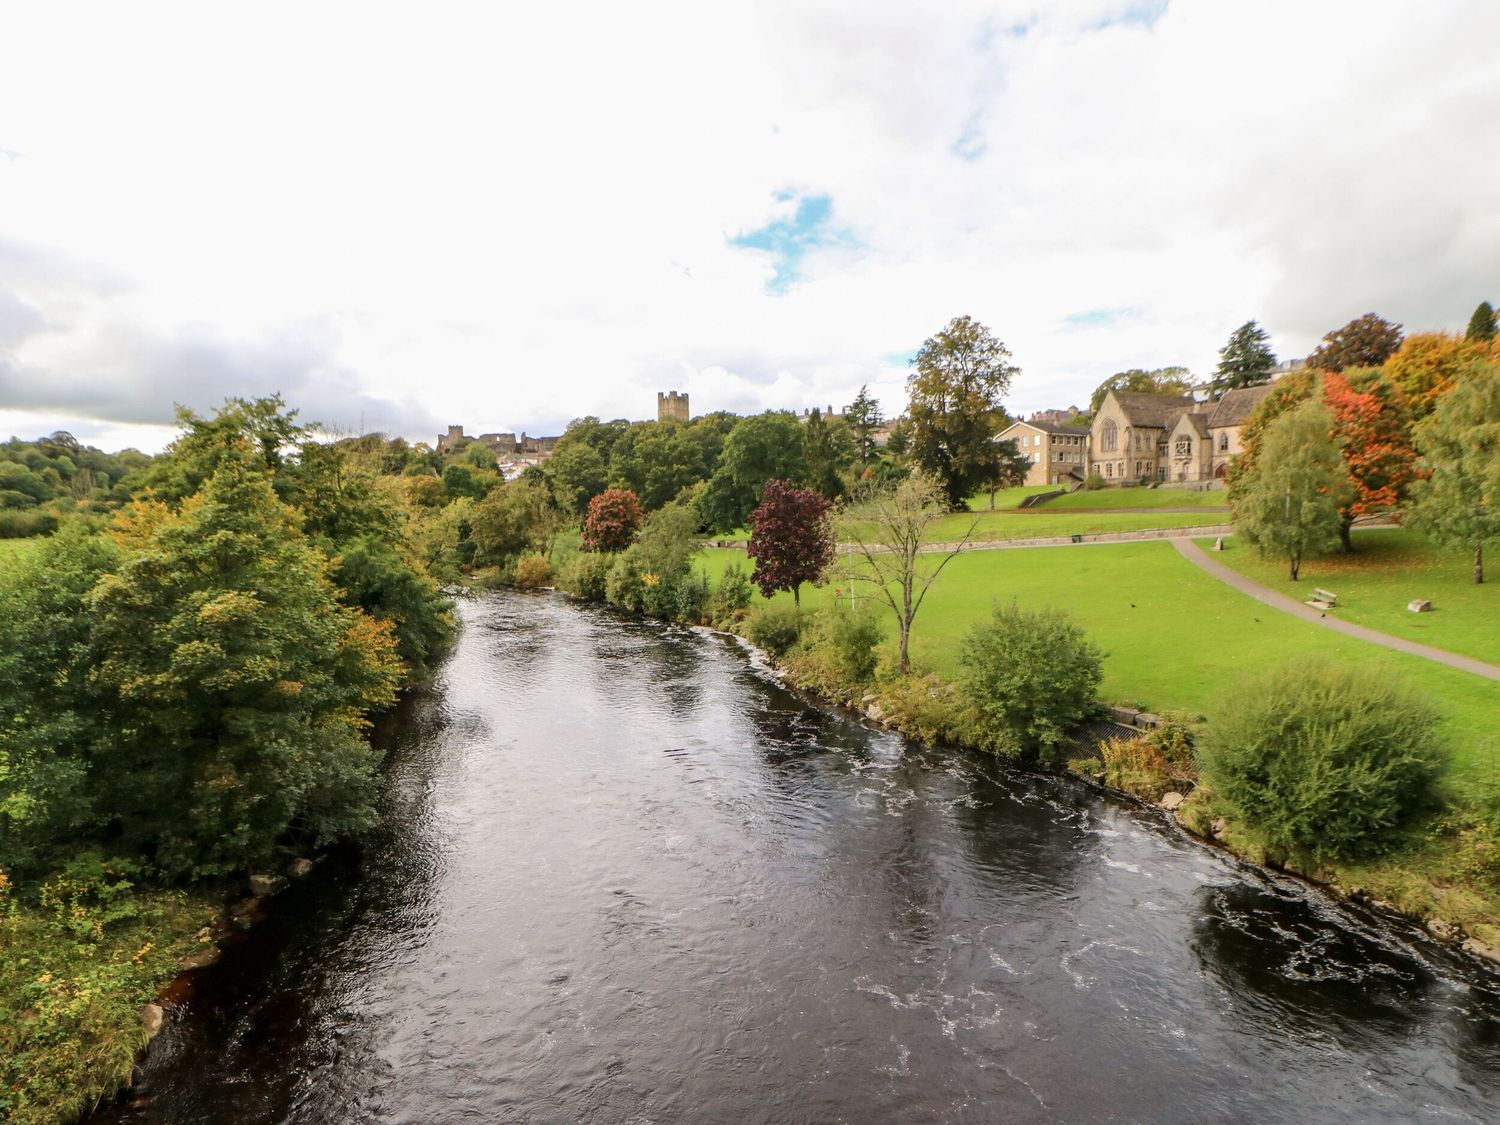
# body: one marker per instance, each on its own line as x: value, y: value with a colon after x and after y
x: 1378, y: 452
x: 791, y: 538
x: 614, y: 519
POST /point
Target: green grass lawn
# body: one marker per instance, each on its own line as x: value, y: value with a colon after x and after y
x: 1043, y: 523
x: 1387, y: 570
x: 1175, y: 637
x: 1138, y: 498
x: 1007, y: 498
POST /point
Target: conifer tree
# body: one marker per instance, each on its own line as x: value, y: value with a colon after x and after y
x: 1245, y: 360
x: 1482, y: 324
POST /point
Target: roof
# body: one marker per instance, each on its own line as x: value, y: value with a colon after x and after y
x: 1197, y: 419
x: 1236, y: 405
x: 1143, y: 409
x: 1050, y: 427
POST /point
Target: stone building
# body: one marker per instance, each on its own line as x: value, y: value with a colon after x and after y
x: 1127, y: 441
x: 1058, y: 451
x: 671, y: 406
x: 1227, y: 423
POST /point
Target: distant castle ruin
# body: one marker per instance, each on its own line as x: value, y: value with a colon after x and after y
x: 671, y: 406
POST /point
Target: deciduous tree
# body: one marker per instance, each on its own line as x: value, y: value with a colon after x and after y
x: 1162, y: 381
x: 791, y: 538
x: 613, y: 520
x: 1459, y: 502
x: 955, y: 391
x: 889, y: 529
x: 760, y: 448
x: 1427, y: 363
x: 1288, y: 505
x: 1376, y: 431
x: 1245, y: 360
x: 1366, y: 341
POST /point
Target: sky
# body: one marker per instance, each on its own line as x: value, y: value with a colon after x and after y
x: 506, y: 216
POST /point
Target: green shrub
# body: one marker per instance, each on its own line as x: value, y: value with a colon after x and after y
x: 692, y: 597
x: 1093, y: 483
x: 775, y: 628
x: 588, y: 575
x: 854, y: 638
x: 626, y: 587
x: 733, y: 594
x: 1029, y: 677
x: 930, y: 710
x: 533, y: 572
x: 24, y: 524
x: 1323, y: 760
x: 1136, y: 765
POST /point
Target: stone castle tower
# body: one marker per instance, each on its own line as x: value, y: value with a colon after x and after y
x: 671, y: 405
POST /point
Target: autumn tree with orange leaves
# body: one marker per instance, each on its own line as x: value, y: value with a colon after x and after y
x: 1369, y: 414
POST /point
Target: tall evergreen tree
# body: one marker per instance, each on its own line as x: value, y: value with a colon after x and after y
x: 1245, y: 360
x: 1482, y: 324
x: 864, y: 419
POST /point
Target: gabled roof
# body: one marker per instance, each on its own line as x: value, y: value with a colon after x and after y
x: 1050, y: 428
x: 1143, y: 409
x: 1236, y: 405
x: 1197, y: 419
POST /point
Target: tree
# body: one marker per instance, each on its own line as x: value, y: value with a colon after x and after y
x: 656, y: 460
x: 1162, y: 381
x: 1247, y: 359
x: 233, y: 683
x: 864, y: 419
x: 1323, y: 759
x: 888, y: 529
x: 955, y: 391
x: 1008, y: 468
x: 1376, y: 432
x: 1459, y: 503
x: 1289, y: 505
x: 1427, y: 364
x: 827, y: 451
x: 1482, y: 324
x: 613, y: 520
x: 760, y: 448
x: 1366, y: 341
x: 261, y: 431
x: 1031, y: 677
x: 578, y: 473
x: 791, y: 538
x: 514, y: 519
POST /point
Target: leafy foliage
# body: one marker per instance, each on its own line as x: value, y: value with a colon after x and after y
x: 1030, y: 676
x: 775, y: 628
x: 1428, y: 363
x: 1245, y: 360
x: 864, y: 419
x: 1288, y: 504
x: 1482, y: 324
x: 514, y: 519
x: 533, y: 572
x: 1366, y: 341
x: 855, y: 637
x: 955, y: 391
x: 760, y: 448
x: 614, y: 518
x: 791, y: 539
x: 1459, y: 502
x: 1323, y: 759
x: 1377, y: 449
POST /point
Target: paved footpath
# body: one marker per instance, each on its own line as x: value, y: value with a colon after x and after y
x: 1264, y: 594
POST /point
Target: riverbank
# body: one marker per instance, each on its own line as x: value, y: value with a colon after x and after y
x: 1443, y: 878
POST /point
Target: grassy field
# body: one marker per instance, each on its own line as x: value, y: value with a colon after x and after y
x: 1175, y: 637
x: 1114, y: 498
x: 1387, y: 570
x: 1043, y: 523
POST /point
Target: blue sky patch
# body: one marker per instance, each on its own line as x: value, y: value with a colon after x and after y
x: 1100, y: 318
x: 789, y: 240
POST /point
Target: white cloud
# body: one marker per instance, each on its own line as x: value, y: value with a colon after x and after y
x: 507, y: 216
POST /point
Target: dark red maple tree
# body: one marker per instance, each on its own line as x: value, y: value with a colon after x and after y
x: 614, y: 518
x: 791, y: 538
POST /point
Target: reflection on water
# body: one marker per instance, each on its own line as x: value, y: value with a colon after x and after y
x: 627, y: 877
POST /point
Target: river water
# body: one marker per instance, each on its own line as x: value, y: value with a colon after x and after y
x: 628, y: 878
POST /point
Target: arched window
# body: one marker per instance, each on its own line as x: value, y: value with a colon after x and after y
x: 1223, y: 441
x: 1109, y: 436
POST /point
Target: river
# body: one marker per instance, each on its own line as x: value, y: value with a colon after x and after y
x: 626, y: 877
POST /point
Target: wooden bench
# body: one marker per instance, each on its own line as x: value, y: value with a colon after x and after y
x: 1323, y: 600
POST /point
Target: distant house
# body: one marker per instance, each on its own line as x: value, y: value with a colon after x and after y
x: 1058, y: 452
x: 1227, y: 422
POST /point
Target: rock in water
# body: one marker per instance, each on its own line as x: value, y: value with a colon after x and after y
x: 300, y: 868
x: 266, y: 884
x: 151, y: 1019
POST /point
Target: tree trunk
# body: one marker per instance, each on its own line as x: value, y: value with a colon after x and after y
x: 797, y: 595
x: 1345, y: 539
x: 1296, y: 565
x: 905, y: 637
x: 992, y: 499
x: 1478, y: 563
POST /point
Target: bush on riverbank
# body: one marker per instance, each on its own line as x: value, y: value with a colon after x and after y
x: 1324, y: 760
x: 1031, y: 677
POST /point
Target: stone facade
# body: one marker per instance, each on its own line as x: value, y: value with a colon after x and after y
x: 671, y: 406
x: 1058, y: 452
x: 1128, y: 438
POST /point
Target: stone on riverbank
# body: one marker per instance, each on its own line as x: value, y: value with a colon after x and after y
x: 152, y: 1017
x: 1171, y: 800
x: 300, y: 868
x: 208, y: 955
x: 266, y: 884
